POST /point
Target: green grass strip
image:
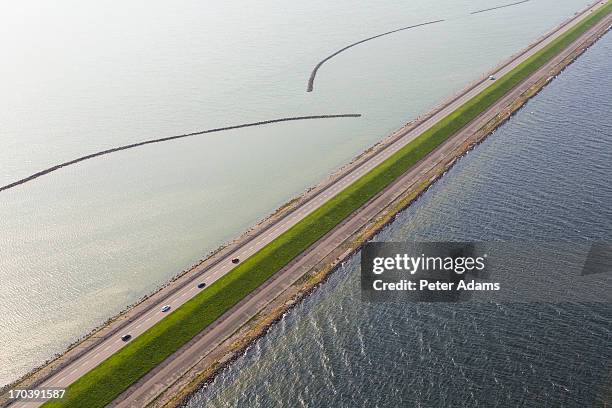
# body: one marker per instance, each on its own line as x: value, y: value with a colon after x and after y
x: 105, y: 382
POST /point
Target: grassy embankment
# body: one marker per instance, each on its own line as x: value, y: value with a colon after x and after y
x: 105, y: 382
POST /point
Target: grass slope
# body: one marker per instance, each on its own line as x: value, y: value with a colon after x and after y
x: 105, y: 382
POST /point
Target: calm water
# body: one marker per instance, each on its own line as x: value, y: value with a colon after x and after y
x: 80, y: 244
x: 544, y: 176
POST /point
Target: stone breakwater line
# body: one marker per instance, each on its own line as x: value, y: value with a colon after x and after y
x: 498, y: 7
x: 313, y: 74
x: 166, y: 139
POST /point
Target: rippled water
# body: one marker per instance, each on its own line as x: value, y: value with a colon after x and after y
x: 544, y: 176
x: 80, y: 244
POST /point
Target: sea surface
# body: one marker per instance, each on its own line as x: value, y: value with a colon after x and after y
x: 80, y: 244
x: 542, y: 179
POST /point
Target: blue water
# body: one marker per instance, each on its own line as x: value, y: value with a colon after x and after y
x: 544, y: 176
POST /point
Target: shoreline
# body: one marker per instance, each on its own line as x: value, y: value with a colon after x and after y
x: 204, y: 262
x: 239, y: 343
x: 279, y: 211
x: 312, y: 280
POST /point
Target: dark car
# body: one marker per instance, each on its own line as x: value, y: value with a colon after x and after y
x: 201, y: 285
x: 235, y: 260
x: 126, y: 337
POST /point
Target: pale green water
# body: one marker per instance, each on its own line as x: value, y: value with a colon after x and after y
x: 79, y: 245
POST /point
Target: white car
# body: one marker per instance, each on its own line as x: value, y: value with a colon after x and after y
x: 165, y: 308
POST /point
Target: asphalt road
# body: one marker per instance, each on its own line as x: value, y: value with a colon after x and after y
x: 147, y: 388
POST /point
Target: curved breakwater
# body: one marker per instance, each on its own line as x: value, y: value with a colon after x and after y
x: 499, y: 7
x: 313, y: 74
